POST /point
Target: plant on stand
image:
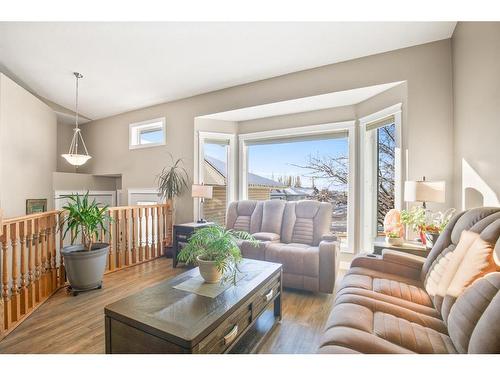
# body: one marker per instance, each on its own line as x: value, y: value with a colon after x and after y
x: 216, y: 251
x: 85, y: 262
x: 172, y: 182
x: 429, y: 225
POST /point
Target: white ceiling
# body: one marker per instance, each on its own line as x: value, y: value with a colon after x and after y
x: 133, y: 65
x: 310, y: 103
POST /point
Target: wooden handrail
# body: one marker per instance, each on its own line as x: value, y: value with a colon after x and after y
x: 32, y: 264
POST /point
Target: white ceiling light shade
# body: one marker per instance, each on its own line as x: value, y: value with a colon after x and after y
x: 73, y: 157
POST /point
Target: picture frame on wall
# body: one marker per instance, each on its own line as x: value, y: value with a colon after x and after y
x: 34, y: 206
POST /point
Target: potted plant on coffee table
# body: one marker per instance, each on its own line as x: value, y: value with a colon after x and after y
x: 84, y: 262
x: 215, y: 250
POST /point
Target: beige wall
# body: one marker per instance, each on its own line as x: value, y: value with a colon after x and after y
x: 426, y: 68
x: 81, y: 181
x: 28, y: 133
x: 476, y: 89
x: 323, y: 116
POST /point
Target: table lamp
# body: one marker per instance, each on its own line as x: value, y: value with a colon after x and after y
x: 424, y: 191
x: 201, y: 192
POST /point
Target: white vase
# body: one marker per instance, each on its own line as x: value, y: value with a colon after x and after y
x: 209, y: 271
x: 394, y: 241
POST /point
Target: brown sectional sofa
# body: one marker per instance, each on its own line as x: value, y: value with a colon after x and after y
x: 295, y: 234
x: 399, y: 303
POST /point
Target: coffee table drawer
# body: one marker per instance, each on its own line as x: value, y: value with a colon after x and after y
x: 264, y: 296
x: 228, y: 332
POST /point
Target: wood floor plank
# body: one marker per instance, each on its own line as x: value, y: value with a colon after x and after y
x: 67, y: 324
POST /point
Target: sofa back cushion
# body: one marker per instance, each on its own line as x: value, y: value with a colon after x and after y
x: 245, y: 216
x: 474, y: 220
x: 306, y: 222
x: 478, y: 261
x: 445, y: 266
x: 473, y: 320
x: 272, y: 216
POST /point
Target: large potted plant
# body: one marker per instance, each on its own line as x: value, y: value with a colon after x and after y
x: 216, y: 251
x: 172, y: 182
x: 84, y: 262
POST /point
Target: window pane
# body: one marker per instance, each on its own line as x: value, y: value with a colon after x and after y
x: 386, y: 144
x: 151, y: 136
x: 215, y: 174
x: 309, y: 169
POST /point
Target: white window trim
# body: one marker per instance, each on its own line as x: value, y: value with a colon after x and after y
x: 61, y: 193
x: 201, y: 137
x: 366, y: 229
x: 144, y: 124
x: 132, y: 191
x: 321, y: 129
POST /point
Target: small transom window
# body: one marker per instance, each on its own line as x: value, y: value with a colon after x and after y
x: 147, y: 133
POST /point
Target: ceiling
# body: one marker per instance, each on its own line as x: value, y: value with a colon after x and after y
x: 310, y: 103
x: 132, y: 65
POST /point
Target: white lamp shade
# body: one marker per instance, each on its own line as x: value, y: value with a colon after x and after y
x: 424, y: 191
x: 76, y: 159
x: 202, y: 191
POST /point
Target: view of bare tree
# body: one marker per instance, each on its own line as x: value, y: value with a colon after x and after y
x: 336, y: 169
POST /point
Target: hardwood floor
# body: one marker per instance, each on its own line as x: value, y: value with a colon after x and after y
x: 67, y: 324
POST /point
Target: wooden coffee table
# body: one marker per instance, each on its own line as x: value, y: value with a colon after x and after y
x: 162, y: 319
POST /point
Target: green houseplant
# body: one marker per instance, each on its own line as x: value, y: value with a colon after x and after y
x: 84, y: 262
x: 426, y: 223
x: 173, y: 180
x: 215, y: 250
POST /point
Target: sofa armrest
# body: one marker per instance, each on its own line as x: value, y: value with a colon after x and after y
x: 410, y: 260
x: 329, y: 237
x: 394, y: 262
x: 328, y: 265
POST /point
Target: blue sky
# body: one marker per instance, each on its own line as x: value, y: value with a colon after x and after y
x: 274, y: 160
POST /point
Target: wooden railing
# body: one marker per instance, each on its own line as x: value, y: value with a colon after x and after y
x: 32, y: 267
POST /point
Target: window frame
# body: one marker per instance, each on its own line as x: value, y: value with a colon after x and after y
x: 136, y: 128
x: 305, y: 131
x: 202, y: 137
x: 367, y: 173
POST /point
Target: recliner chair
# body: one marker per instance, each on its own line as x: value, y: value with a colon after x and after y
x: 295, y: 234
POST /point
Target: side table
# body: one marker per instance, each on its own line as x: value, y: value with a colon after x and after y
x: 181, y: 235
x: 409, y: 247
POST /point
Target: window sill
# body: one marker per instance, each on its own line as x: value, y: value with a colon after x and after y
x: 136, y: 147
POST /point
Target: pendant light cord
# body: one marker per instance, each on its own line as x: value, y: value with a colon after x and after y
x: 76, y: 100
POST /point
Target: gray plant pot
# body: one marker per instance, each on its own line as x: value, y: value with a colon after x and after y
x: 84, y: 269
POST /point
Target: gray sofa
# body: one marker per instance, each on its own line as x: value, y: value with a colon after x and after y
x: 448, y: 302
x: 295, y: 234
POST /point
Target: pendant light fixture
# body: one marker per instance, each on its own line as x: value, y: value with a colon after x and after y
x: 73, y: 157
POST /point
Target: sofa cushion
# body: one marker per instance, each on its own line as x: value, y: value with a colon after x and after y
x: 386, y: 284
x: 473, y: 321
x: 296, y: 258
x: 272, y: 216
x: 374, y: 327
x: 306, y: 222
x: 267, y: 236
x: 245, y: 216
x: 455, y: 259
x: 475, y: 220
x: 477, y: 262
x: 249, y: 250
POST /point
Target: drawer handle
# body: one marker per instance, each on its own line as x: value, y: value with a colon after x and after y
x: 229, y: 338
x: 269, y: 296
